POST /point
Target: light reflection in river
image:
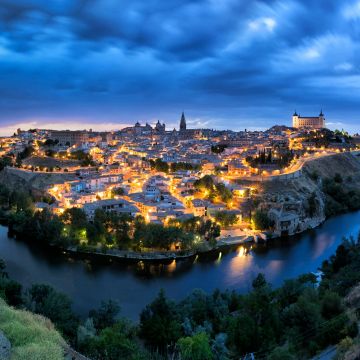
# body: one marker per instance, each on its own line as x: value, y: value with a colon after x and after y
x: 136, y: 284
x: 324, y: 242
x: 172, y: 266
x: 240, y: 263
x: 218, y: 260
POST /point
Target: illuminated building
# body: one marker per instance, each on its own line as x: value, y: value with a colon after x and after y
x: 313, y: 122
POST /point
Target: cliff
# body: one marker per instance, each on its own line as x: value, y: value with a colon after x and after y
x: 15, y: 178
x: 304, y: 202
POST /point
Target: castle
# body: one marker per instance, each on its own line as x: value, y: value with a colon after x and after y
x: 313, y: 122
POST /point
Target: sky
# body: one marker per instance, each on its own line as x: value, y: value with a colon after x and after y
x: 228, y: 64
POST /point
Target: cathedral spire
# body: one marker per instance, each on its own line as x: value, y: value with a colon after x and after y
x: 182, y: 122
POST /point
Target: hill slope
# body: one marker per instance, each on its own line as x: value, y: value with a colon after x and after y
x: 31, y: 336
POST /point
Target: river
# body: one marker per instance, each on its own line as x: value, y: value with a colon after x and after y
x: 135, y: 285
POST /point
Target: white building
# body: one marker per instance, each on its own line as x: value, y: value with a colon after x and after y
x: 313, y: 122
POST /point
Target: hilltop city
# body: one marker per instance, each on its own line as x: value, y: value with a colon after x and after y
x: 171, y: 176
x: 162, y: 201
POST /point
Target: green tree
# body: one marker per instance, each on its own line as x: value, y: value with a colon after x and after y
x: 262, y: 220
x: 195, y: 347
x: 117, y: 191
x: 106, y: 315
x: 21, y: 201
x: 77, y: 223
x: 114, y: 343
x: 223, y: 192
x: 44, y: 300
x: 5, y: 161
x: 331, y: 305
x: 159, y: 323
x: 281, y: 353
x: 243, y: 333
x: 159, y: 165
x: 12, y: 291
x: 226, y: 218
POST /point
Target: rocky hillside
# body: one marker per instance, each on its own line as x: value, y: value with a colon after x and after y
x: 346, y: 164
x: 17, y: 179
x: 316, y: 195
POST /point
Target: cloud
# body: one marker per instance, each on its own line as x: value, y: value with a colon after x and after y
x: 226, y: 63
x: 265, y: 23
x: 351, y: 11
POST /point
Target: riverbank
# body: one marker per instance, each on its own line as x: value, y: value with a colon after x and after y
x: 90, y: 279
x: 166, y: 257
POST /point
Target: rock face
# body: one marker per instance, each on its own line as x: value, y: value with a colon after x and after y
x: 299, y: 204
x: 5, y: 347
x: 16, y: 179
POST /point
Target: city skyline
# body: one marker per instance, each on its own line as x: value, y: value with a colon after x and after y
x: 76, y: 65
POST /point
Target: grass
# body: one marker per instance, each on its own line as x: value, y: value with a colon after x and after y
x: 31, y: 336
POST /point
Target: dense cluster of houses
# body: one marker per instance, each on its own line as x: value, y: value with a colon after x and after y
x: 122, y: 160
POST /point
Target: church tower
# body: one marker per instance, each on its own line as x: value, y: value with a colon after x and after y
x: 182, y: 122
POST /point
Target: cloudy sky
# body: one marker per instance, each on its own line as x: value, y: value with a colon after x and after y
x: 227, y: 63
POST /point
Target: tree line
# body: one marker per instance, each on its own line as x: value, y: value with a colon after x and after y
x: 162, y: 166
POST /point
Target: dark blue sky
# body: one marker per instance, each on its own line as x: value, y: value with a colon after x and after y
x: 227, y: 63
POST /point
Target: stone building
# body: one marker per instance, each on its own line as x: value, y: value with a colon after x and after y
x: 68, y: 137
x: 313, y: 122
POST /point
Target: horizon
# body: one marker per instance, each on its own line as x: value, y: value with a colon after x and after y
x: 112, y: 127
x: 78, y: 65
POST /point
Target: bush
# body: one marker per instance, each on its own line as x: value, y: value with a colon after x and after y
x: 262, y: 220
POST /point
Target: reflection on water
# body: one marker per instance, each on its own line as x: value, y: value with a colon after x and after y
x: 240, y: 263
x: 323, y: 242
x: 136, y: 284
x: 218, y: 260
x: 172, y: 266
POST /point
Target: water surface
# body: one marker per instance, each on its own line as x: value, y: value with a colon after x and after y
x: 135, y: 285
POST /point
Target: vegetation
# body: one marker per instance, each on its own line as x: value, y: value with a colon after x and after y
x: 207, y: 229
x: 5, y: 161
x: 322, y: 138
x: 311, y: 205
x: 163, y: 166
x: 218, y: 149
x: 226, y: 218
x: 49, y: 142
x: 117, y: 191
x: 282, y: 159
x: 31, y: 336
x: 84, y: 158
x: 294, y: 321
x: 340, y: 198
x: 261, y: 220
x: 44, y: 300
x: 178, y: 166
x: 213, y: 190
